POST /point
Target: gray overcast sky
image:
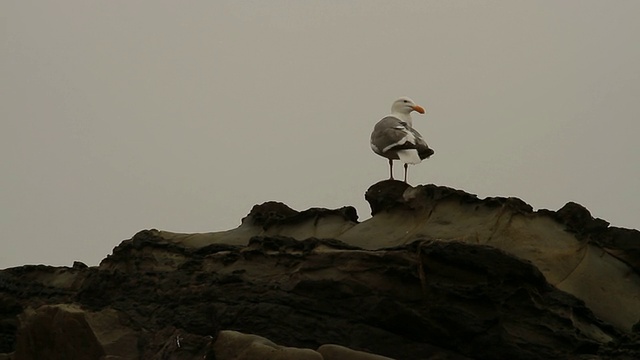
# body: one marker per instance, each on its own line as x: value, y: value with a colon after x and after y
x: 116, y: 116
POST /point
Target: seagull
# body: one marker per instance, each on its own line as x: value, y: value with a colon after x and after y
x: 395, y: 138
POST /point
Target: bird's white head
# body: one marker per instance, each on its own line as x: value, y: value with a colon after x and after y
x: 403, y: 107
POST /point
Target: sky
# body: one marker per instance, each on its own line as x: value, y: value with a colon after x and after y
x: 119, y: 116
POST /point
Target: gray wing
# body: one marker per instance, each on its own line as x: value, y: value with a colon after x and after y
x: 424, y: 151
x: 391, y: 134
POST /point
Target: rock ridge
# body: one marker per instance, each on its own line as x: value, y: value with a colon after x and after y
x: 434, y: 273
x: 273, y: 213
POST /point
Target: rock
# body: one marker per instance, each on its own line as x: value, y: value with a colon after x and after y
x: 175, y: 344
x: 233, y: 345
x: 79, y: 265
x: 57, y: 332
x: 386, y: 195
x: 578, y: 219
x: 436, y: 273
x: 10, y: 308
x: 272, y: 218
x: 337, y: 352
x: 554, y: 242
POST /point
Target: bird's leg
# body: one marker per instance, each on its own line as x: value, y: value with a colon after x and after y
x: 405, y: 172
x: 390, y: 169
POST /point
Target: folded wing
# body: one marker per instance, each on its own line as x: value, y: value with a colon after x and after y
x: 395, y: 139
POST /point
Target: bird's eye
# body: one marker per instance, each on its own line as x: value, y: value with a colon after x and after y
x: 406, y: 101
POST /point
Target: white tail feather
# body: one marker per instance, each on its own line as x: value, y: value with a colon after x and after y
x: 409, y: 156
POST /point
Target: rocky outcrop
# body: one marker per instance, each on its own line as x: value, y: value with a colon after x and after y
x: 435, y: 273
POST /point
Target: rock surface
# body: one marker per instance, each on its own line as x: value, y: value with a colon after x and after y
x: 436, y: 273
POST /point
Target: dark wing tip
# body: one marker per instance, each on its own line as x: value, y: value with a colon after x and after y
x: 426, y: 153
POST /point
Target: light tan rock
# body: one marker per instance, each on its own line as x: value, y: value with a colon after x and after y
x: 233, y: 345
x: 608, y: 286
x: 337, y: 352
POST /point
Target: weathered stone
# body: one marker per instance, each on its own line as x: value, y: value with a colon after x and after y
x: 56, y: 332
x: 337, y: 352
x: 233, y: 345
x: 436, y: 273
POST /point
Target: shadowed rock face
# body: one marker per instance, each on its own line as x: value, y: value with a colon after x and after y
x: 435, y: 273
